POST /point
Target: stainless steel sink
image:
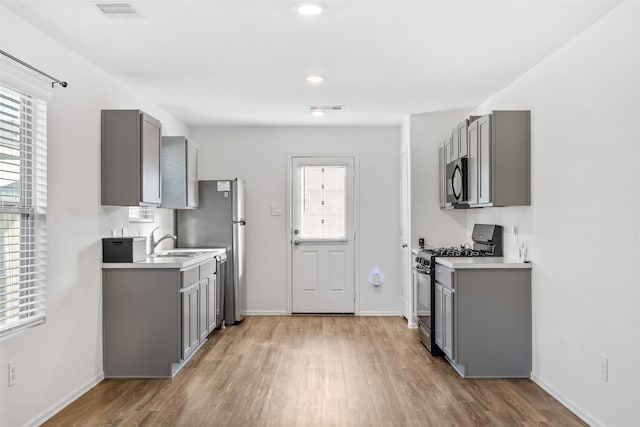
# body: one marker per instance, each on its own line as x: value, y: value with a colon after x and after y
x: 174, y: 254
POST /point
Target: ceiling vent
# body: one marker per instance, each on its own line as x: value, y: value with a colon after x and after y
x: 117, y: 10
x: 326, y: 107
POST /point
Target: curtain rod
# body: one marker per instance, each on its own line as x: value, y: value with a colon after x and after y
x: 60, y: 82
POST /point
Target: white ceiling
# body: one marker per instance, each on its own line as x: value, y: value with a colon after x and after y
x: 237, y: 62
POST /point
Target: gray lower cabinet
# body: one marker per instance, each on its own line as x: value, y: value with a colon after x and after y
x: 142, y: 321
x: 190, y: 316
x: 130, y: 158
x: 154, y: 320
x: 212, y: 303
x: 439, y: 320
x: 483, y: 320
x: 447, y: 316
x: 203, y: 322
x: 444, y: 297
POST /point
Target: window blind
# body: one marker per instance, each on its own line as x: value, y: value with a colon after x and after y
x: 23, y: 210
x: 324, y: 208
x: 141, y: 213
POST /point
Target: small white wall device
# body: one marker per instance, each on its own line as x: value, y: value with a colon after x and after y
x: 377, y: 280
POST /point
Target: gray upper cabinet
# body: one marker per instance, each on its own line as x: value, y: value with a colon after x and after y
x: 442, y: 174
x: 455, y: 144
x: 472, y: 163
x: 447, y: 150
x: 499, y: 159
x: 462, y: 138
x: 459, y: 145
x: 479, y: 163
x: 179, y: 173
x: 131, y: 158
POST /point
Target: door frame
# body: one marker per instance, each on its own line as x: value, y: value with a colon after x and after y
x: 406, y: 224
x: 355, y: 213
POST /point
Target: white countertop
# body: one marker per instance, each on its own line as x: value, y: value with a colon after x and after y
x: 481, y: 262
x: 169, y: 262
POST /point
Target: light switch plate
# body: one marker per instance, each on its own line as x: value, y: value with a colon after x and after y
x: 276, y: 210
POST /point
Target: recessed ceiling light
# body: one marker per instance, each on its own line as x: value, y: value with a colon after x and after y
x: 317, y: 113
x: 314, y: 78
x: 309, y: 9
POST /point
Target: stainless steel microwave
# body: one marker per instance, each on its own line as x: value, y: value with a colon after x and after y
x: 457, y: 182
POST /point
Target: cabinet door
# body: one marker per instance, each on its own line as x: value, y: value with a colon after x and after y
x: 211, y: 304
x: 151, y: 177
x: 439, y: 319
x: 447, y: 312
x: 472, y: 163
x: 484, y: 159
x: 455, y: 144
x: 442, y: 172
x: 194, y: 314
x: 462, y: 135
x: 192, y: 175
x: 186, y: 323
x: 203, y: 322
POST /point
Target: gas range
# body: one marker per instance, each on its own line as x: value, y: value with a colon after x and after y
x: 426, y: 257
x: 487, y: 241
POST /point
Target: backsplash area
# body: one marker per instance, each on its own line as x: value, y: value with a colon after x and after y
x: 117, y: 218
x: 520, y: 217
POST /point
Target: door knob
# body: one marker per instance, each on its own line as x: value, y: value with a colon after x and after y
x: 404, y: 245
x: 296, y: 242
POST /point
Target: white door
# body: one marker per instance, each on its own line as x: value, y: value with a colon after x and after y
x: 322, y: 235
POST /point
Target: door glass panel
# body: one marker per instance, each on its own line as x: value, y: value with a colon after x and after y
x: 323, y: 207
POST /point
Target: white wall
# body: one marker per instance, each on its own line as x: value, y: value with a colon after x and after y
x: 57, y: 360
x: 583, y: 228
x: 260, y: 156
x: 438, y: 227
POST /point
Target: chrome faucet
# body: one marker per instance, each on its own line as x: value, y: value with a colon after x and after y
x: 152, y: 244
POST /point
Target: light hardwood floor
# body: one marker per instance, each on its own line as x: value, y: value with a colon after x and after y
x: 316, y: 371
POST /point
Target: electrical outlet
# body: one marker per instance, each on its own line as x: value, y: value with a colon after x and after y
x: 604, y: 368
x: 12, y: 373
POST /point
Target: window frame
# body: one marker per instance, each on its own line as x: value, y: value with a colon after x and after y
x: 30, y: 298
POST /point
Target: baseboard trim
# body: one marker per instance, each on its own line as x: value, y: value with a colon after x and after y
x: 568, y: 403
x: 49, y: 412
x: 378, y: 313
x: 285, y: 313
x: 265, y: 313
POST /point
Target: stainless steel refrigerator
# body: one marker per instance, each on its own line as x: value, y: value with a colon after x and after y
x: 219, y: 222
